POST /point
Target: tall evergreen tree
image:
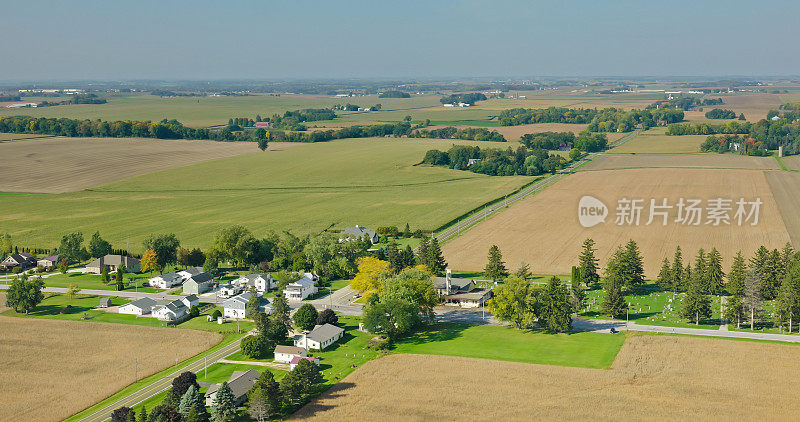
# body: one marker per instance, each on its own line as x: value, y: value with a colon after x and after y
x: 676, y: 272
x: 588, y: 263
x: 736, y: 276
x: 143, y: 414
x: 614, y: 303
x: 664, y: 279
x: 696, y: 304
x: 224, y: 407
x: 772, y: 275
x: 280, y: 312
x: 788, y: 301
x: 699, y: 270
x: 734, y: 310
x: 524, y: 271
x: 422, y: 252
x: 436, y: 262
x: 633, y: 265
x: 555, y: 312
x: 714, y: 275
x: 495, y: 269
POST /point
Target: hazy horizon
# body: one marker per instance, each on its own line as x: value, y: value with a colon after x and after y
x: 86, y: 40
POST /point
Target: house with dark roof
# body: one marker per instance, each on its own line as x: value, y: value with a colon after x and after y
x: 48, y: 262
x: 22, y: 260
x: 358, y: 232
x: 240, y: 383
x: 461, y: 292
x: 236, y: 307
x: 198, y: 283
x: 138, y: 307
x: 171, y: 311
x: 112, y: 263
x: 189, y: 272
x: 320, y: 337
x: 165, y: 281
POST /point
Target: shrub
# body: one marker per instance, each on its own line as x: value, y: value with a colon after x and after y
x: 216, y: 314
x: 194, y: 311
x: 257, y: 347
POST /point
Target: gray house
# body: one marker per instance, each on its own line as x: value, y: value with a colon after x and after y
x: 461, y: 292
x: 199, y: 283
x: 358, y: 232
x: 112, y: 262
x: 139, y: 307
x: 240, y: 383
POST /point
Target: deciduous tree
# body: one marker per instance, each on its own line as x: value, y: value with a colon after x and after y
x: 98, y: 246
x: 149, y: 261
x: 306, y: 317
x: 514, y: 301
x: 24, y: 295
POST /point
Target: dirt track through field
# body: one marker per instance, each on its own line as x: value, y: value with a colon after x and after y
x: 544, y: 230
x: 53, y: 369
x: 57, y: 165
x: 653, y: 378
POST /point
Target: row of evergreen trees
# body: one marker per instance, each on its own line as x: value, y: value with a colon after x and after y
x: 769, y: 275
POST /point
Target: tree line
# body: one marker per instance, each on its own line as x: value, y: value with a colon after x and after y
x: 394, y: 94
x: 599, y: 120
x: 500, y: 162
x: 585, y: 141
x: 466, y: 98
x: 766, y: 134
x: 685, y: 102
x: 719, y: 113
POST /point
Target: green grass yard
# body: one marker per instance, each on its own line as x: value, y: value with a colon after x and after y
x: 589, y: 350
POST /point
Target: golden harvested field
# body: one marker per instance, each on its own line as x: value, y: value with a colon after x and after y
x: 785, y: 187
x: 544, y: 231
x: 655, y: 141
x: 792, y: 162
x: 54, y: 369
x: 755, y: 106
x: 19, y: 136
x: 57, y: 165
x: 653, y: 378
x: 701, y: 160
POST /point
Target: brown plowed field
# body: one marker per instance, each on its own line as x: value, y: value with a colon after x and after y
x: 653, y: 378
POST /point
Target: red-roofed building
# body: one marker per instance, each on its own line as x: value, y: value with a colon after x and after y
x: 295, y: 360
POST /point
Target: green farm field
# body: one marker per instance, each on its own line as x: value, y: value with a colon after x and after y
x: 655, y: 141
x: 306, y: 189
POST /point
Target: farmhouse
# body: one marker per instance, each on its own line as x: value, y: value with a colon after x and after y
x: 138, y: 307
x: 261, y: 282
x: 22, y: 260
x: 240, y: 383
x: 285, y: 354
x: 112, y: 263
x: 320, y: 337
x: 171, y: 311
x: 300, y: 289
x: 358, y: 232
x: 165, y: 281
x: 235, y: 307
x: 295, y: 360
x: 460, y: 291
x: 48, y: 262
x: 199, y: 283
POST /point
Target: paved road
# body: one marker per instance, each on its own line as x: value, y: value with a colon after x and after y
x: 599, y: 325
x: 162, y: 384
x: 475, y: 218
x: 130, y: 294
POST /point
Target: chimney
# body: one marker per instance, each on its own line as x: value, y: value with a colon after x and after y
x: 449, y: 280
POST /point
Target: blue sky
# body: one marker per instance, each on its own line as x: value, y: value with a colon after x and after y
x: 146, y: 39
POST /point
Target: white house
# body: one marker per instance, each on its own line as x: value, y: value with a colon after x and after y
x: 191, y: 300
x: 138, y: 307
x: 236, y: 306
x: 166, y: 281
x: 358, y: 232
x: 285, y: 354
x: 189, y: 272
x: 300, y: 289
x: 49, y: 262
x: 228, y: 290
x: 261, y: 282
x: 171, y: 311
x: 320, y: 337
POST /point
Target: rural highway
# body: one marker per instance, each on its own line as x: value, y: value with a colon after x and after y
x: 162, y: 384
x: 477, y: 216
x: 112, y: 293
x: 600, y: 325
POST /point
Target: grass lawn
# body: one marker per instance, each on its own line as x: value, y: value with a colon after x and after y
x: 651, y: 306
x: 304, y: 188
x: 83, y: 310
x: 656, y: 141
x: 589, y: 350
x: 92, y: 281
